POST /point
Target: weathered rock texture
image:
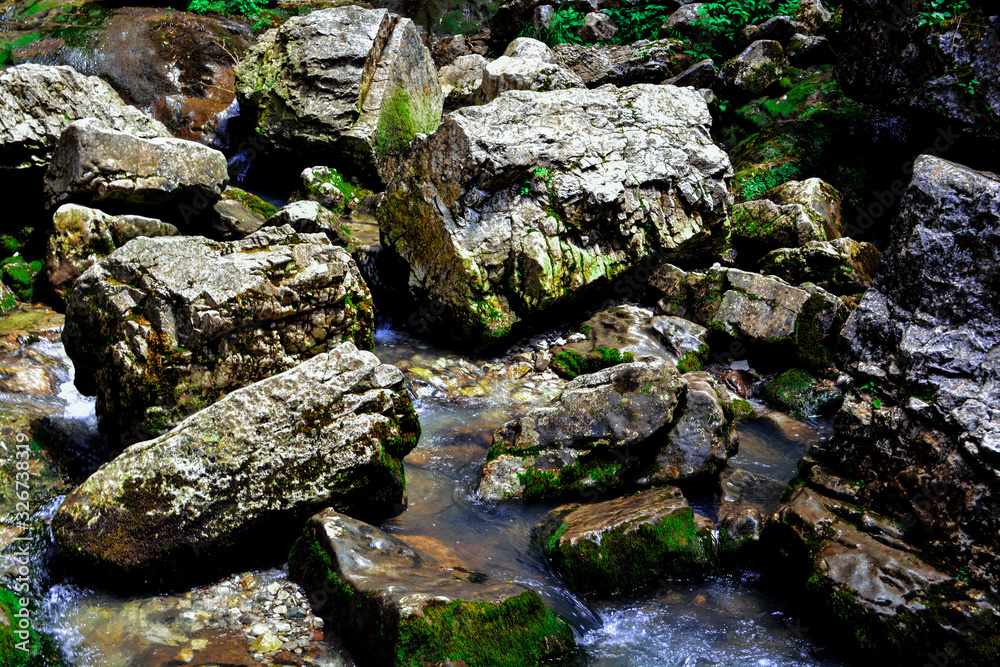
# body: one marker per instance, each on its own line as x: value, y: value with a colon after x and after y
x: 93, y: 164
x: 163, y: 327
x: 28, y: 137
x: 842, y: 266
x: 522, y: 73
x: 397, y: 606
x: 529, y: 202
x: 632, y: 424
x: 627, y: 64
x: 753, y: 71
x: 331, y: 431
x: 349, y: 83
x: 627, y: 545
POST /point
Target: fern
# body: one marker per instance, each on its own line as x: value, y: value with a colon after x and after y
x: 635, y: 23
x: 562, y: 29
x: 721, y: 21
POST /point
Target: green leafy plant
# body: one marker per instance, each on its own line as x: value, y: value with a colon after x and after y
x: 561, y: 29
x: 939, y: 12
x: 249, y: 8
x: 871, y: 389
x: 722, y: 20
x: 637, y: 22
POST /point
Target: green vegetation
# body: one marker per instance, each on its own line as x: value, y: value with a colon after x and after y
x: 401, y: 118
x: 940, y: 12
x: 249, y: 8
x: 570, y: 363
x: 694, y: 361
x: 799, y: 393
x: 637, y: 22
x: 20, y: 276
x: 594, y: 469
x: 566, y: 20
x: 254, y: 203
x: 872, y: 391
x: 41, y: 651
x: 722, y: 20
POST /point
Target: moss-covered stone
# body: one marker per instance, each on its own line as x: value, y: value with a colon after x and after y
x: 570, y: 363
x: 798, y: 392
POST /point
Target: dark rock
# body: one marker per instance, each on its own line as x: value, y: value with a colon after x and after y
x: 597, y: 27
x: 842, y: 266
x: 779, y: 29
x: 753, y: 71
x: 700, y: 75
x: 805, y: 50
x: 799, y: 393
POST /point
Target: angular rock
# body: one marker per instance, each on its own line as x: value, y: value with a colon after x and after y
x: 753, y: 71
x: 779, y: 29
x: 597, y: 27
x: 626, y: 64
x: 700, y: 75
x: 805, y: 50
x: 684, y: 20
x: 331, y: 431
x: 526, y: 47
x: 760, y: 226
x: 93, y: 164
x: 27, y: 138
x: 799, y: 393
x: 163, y: 327
x: 688, y: 341
x: 447, y: 49
x: 841, y: 266
x: 234, y: 220
x: 81, y: 236
x: 812, y: 16
x: 821, y: 201
x: 512, y: 201
x: 347, y: 83
x: 522, y: 73
x: 635, y: 423
x: 398, y: 606
x: 460, y: 80
x: 626, y: 546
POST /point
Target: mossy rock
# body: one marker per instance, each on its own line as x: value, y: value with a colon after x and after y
x: 21, y: 645
x: 798, y: 392
x: 254, y: 203
x: 569, y: 363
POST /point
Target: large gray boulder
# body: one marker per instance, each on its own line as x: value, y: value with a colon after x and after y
x: 753, y: 71
x: 625, y: 64
x: 460, y: 80
x: 355, y: 85
x: 398, y: 606
x: 635, y: 423
x: 163, y: 327
x: 27, y: 137
x: 532, y: 201
x: 251, y: 468
x: 519, y: 73
x: 95, y: 165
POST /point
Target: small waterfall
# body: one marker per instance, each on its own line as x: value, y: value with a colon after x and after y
x: 221, y: 123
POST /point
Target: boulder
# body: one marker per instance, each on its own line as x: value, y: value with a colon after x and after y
x: 797, y: 392
x: 841, y: 266
x: 503, y: 213
x: 627, y: 545
x: 765, y: 313
x: 779, y: 29
x: 330, y: 188
x: 163, y: 327
x: 234, y: 220
x: 946, y: 70
x: 526, y: 47
x: 626, y: 64
x: 597, y: 27
x: 524, y: 73
x: 398, y: 606
x: 812, y: 16
x: 821, y: 201
x: 94, y: 164
x: 684, y: 21
x: 446, y: 50
x: 632, y: 424
x: 246, y: 472
x: 753, y: 71
x: 760, y: 226
x: 27, y: 137
x: 806, y: 50
x: 460, y: 80
x: 351, y: 84
x: 81, y: 236
x: 700, y: 75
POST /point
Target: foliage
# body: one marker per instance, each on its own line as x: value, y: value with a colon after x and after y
x: 249, y: 8
x: 561, y: 29
x: 873, y: 392
x: 721, y: 21
x: 939, y: 12
x: 637, y: 22
x: 570, y: 363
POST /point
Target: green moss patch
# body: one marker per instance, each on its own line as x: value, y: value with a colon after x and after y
x: 798, y: 392
x: 23, y: 650
x: 254, y: 203
x: 570, y: 363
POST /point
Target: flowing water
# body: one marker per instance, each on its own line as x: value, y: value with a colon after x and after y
x: 732, y: 618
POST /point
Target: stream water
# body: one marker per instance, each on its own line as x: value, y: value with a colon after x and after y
x: 734, y: 618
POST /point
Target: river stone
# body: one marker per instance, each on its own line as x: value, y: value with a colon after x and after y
x: 797, y: 392
x: 537, y: 199
x: 347, y: 83
x: 841, y: 266
x: 763, y: 312
x: 93, y: 164
x: 163, y: 327
x: 81, y: 236
x: 753, y: 71
x: 398, y: 606
x: 520, y: 73
x: 331, y: 431
x: 625, y: 64
x: 821, y: 201
x: 28, y: 137
x: 635, y: 423
x: 627, y: 545
x: 945, y: 70
x: 460, y: 81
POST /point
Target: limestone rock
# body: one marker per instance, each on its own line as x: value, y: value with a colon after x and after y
x: 163, y: 327
x: 396, y: 605
x: 521, y: 73
x: 93, y: 164
x: 28, y: 137
x: 760, y: 226
x: 822, y: 203
x: 812, y: 16
x: 81, y: 236
x: 626, y: 64
x: 526, y: 47
x: 460, y: 80
x: 841, y: 266
x: 531, y: 201
x: 349, y: 83
x: 753, y: 71
x: 331, y: 431
x: 597, y: 27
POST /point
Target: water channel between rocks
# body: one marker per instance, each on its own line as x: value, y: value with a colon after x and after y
x: 732, y: 618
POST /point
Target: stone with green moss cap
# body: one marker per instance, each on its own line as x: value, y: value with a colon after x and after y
x: 536, y: 200
x: 164, y: 327
x: 630, y: 425
x: 395, y: 606
x: 331, y: 431
x: 842, y: 266
x: 627, y: 545
x: 350, y: 84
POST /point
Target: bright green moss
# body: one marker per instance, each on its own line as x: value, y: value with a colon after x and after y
x: 797, y: 392
x: 41, y: 651
x: 693, y: 361
x: 254, y: 203
x: 570, y: 363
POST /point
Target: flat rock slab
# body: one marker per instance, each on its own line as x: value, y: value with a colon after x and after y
x: 330, y: 432
x: 396, y: 606
x: 627, y: 545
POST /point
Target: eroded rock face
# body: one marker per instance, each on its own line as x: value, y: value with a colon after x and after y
x: 627, y: 545
x: 353, y: 83
x: 331, y: 431
x: 760, y: 226
x: 821, y: 201
x: 163, y: 327
x: 627, y: 64
x: 81, y: 236
x: 632, y: 424
x: 531, y: 201
x: 460, y: 80
x: 948, y: 71
x: 28, y: 138
x: 520, y: 73
x: 397, y: 606
x: 842, y: 266
x: 94, y: 164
